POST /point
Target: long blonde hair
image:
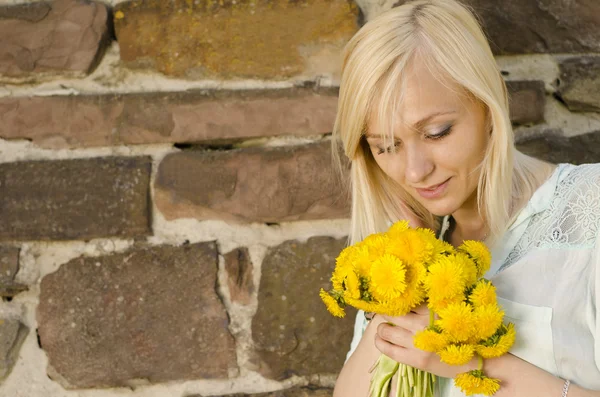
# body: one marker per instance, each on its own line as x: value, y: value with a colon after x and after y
x: 448, y: 38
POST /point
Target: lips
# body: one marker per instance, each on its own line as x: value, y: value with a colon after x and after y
x: 434, y: 191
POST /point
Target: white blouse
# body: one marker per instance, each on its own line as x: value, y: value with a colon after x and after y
x: 547, y: 276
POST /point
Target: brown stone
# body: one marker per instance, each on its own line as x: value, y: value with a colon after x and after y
x: 235, y: 38
x: 60, y: 36
x: 527, y: 100
x: 579, y: 83
x: 251, y: 185
x: 12, y: 335
x: 292, y: 331
x: 580, y: 149
x: 539, y: 26
x: 75, y: 199
x: 150, y: 314
x: 9, y: 266
x: 293, y: 392
x: 107, y: 120
x: 239, y: 275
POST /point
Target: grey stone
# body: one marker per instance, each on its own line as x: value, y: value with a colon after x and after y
x: 292, y: 330
x: 579, y: 83
x: 579, y: 149
x: 12, y: 335
x: 150, y: 314
x: 75, y: 199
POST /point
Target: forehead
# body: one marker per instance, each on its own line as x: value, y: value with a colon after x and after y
x: 420, y: 93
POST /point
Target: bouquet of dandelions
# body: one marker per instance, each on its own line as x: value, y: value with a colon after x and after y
x: 392, y: 273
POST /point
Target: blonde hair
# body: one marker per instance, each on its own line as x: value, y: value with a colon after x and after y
x: 449, y: 40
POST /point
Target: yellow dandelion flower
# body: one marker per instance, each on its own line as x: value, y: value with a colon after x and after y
x: 398, y: 227
x: 388, y: 278
x: 475, y: 382
x: 458, y: 320
x: 413, y: 295
x: 488, y: 319
x: 445, y: 280
x: 343, y: 266
x: 430, y: 340
x: 479, y: 253
x: 499, y: 344
x: 469, y: 268
x: 441, y: 304
x: 332, y: 304
x: 410, y: 246
x: 352, y: 286
x: 362, y: 260
x: 457, y: 354
x: 483, y: 294
x: 366, y: 306
x: 441, y: 247
x: 377, y: 244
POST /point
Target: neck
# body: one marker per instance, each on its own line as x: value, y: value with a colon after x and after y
x: 468, y: 224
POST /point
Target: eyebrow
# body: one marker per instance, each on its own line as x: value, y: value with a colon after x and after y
x: 419, y: 124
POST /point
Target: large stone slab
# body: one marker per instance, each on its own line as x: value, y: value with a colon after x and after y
x: 149, y: 314
x: 12, y: 335
x: 58, y: 36
x: 579, y: 83
x: 186, y: 117
x: 581, y: 149
x: 539, y: 26
x: 292, y: 331
x: 75, y: 199
x: 251, y: 185
x: 236, y: 38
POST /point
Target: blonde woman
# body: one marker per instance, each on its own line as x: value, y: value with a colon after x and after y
x: 423, y: 117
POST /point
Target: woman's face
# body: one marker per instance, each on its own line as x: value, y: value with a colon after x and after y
x: 439, y: 142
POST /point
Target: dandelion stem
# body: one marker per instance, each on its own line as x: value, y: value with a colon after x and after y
x: 431, y: 317
x: 480, y: 365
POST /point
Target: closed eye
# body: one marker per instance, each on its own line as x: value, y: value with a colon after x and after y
x: 446, y: 131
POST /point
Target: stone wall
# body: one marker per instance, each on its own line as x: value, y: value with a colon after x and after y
x: 168, y: 208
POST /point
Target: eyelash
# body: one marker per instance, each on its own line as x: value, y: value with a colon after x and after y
x: 441, y: 135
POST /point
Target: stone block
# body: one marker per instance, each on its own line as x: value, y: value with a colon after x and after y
x: 274, y: 39
x: 147, y: 315
x: 58, y: 36
x: 293, y: 332
x: 75, y: 199
x: 185, y: 117
x: 276, y: 184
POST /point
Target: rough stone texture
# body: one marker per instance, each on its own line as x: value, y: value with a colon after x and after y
x: 148, y: 314
x: 539, y: 26
x: 9, y: 266
x: 74, y: 121
x: 294, y: 392
x: 75, y: 199
x: 579, y: 83
x: 251, y: 185
x: 527, y: 101
x: 292, y: 331
x: 235, y: 38
x: 64, y: 35
x: 580, y: 149
x: 239, y: 275
x: 12, y: 335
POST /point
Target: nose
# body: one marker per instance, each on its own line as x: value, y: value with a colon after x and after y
x: 418, y: 164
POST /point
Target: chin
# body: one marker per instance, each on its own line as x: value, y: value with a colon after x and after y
x: 441, y: 208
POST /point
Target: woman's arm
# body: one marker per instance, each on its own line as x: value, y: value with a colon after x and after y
x: 354, y: 378
x: 518, y: 378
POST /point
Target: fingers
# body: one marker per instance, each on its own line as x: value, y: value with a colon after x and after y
x: 395, y: 335
x: 413, y: 322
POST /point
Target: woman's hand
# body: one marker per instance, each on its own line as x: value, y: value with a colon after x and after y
x: 396, y: 342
